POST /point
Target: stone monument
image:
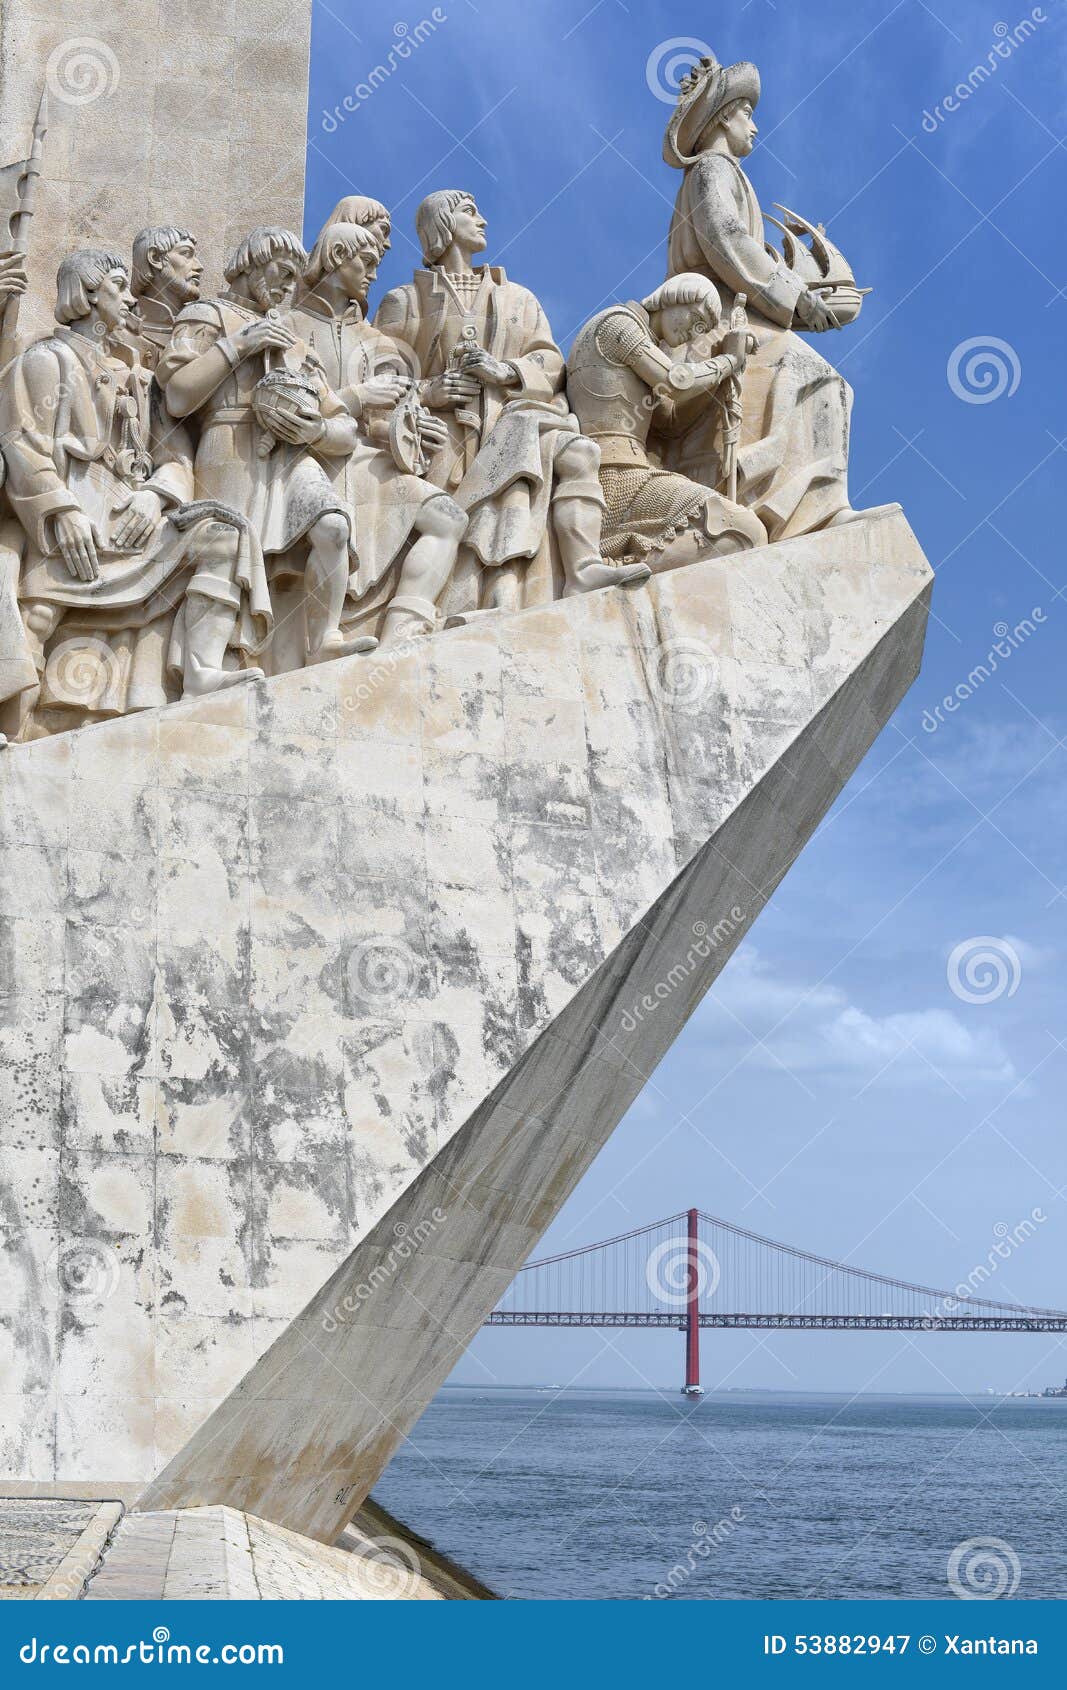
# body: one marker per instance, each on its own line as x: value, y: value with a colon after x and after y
x: 390, y: 708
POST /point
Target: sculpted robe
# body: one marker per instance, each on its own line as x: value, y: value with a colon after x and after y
x: 384, y: 501
x: 498, y: 464
x: 80, y: 431
x: 284, y: 490
x: 793, y: 458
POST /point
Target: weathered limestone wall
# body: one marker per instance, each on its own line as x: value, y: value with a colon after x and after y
x: 265, y: 954
x: 160, y: 111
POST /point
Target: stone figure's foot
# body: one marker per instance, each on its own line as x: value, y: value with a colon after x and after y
x: 336, y: 645
x: 464, y: 618
x: 408, y: 618
x: 589, y: 576
x: 202, y: 679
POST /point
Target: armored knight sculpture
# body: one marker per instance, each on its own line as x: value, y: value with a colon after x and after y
x: 630, y: 371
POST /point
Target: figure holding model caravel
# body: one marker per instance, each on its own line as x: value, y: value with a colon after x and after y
x: 200, y: 492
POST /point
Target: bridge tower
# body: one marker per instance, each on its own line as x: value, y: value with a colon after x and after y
x: 692, y: 1386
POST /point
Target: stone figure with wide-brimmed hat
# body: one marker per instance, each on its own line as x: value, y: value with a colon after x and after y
x: 793, y: 455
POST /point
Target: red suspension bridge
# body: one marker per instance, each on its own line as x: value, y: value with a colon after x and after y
x: 693, y: 1271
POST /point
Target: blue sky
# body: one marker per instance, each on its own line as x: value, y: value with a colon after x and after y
x: 833, y: 1091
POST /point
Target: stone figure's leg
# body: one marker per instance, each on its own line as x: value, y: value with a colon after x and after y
x: 210, y: 611
x: 40, y: 620
x: 326, y: 584
x: 503, y: 587
x: 577, y: 514
x: 426, y: 571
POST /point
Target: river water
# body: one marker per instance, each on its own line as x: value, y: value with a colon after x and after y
x: 629, y: 1494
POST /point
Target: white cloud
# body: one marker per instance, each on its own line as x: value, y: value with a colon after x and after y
x: 817, y: 1030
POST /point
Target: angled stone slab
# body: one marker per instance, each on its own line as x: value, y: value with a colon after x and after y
x: 263, y: 955
x: 622, y: 807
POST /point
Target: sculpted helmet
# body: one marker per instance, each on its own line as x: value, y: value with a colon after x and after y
x: 707, y: 90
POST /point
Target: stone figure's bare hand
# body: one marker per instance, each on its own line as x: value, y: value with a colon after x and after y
x: 455, y: 387
x: 382, y: 391
x: 489, y: 370
x: 269, y: 334
x: 434, y: 430
x: 12, y: 274
x: 74, y: 537
x: 814, y: 314
x: 302, y: 430
x: 138, y: 521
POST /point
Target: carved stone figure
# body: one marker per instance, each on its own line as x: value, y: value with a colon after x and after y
x: 514, y: 456
x: 368, y: 213
x: 387, y: 501
x: 626, y: 375
x: 793, y: 457
x: 164, y: 279
x: 113, y: 546
x: 268, y: 424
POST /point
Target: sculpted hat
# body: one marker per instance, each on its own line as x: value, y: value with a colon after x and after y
x: 707, y: 89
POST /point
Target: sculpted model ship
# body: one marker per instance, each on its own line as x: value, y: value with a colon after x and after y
x: 201, y: 492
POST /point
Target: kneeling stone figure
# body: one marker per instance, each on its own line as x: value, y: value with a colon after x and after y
x: 629, y: 373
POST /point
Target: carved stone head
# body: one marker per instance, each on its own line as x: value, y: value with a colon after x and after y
x: 683, y: 308
x: 349, y: 252
x: 265, y: 269
x: 93, y: 291
x: 165, y: 266
x: 368, y: 213
x: 449, y: 218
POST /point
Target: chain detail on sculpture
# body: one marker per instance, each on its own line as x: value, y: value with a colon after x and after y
x: 199, y: 493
